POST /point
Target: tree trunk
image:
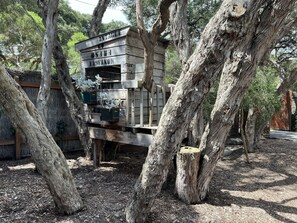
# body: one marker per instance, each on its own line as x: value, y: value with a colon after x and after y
x: 187, y: 172
x: 260, y: 130
x: 179, y: 29
x: 237, y: 75
x: 196, y: 128
x: 250, y: 128
x: 243, y: 136
x: 51, y: 8
x: 75, y: 105
x: 47, y: 156
x: 149, y: 38
x: 295, y: 98
x: 181, y: 40
x: 222, y: 34
x: 97, y: 17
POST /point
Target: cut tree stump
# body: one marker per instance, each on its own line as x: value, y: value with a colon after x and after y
x: 187, y: 164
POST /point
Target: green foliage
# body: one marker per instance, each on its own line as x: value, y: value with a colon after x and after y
x: 262, y: 94
x: 20, y: 41
x: 199, y: 14
x: 150, y: 10
x: 173, y: 65
x: 22, y: 30
x: 72, y: 55
x: 107, y: 27
x: 70, y: 22
x: 210, y: 100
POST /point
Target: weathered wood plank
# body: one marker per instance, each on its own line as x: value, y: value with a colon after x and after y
x: 37, y: 85
x: 7, y: 142
x: 107, y: 37
x: 138, y: 139
x: 134, y: 35
x: 136, y: 83
x: 109, y: 61
x: 132, y: 59
x: 139, y: 52
x: 103, y: 53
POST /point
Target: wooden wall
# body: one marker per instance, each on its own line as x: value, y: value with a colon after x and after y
x: 58, y: 111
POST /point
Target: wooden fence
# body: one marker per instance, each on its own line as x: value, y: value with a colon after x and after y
x: 11, y: 143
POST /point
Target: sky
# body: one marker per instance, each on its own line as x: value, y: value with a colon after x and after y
x: 87, y: 6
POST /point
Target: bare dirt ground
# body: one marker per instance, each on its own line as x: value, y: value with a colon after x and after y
x: 263, y: 191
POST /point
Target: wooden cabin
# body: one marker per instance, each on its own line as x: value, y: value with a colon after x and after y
x: 117, y: 57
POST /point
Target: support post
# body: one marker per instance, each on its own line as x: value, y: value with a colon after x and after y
x: 18, y: 141
x: 133, y: 107
x: 98, y: 153
x: 141, y: 107
x: 157, y: 104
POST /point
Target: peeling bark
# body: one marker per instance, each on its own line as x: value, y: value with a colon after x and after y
x: 149, y: 38
x: 75, y: 105
x: 250, y: 130
x: 179, y: 29
x: 181, y: 40
x: 238, y: 73
x: 223, y: 33
x: 97, y: 16
x: 47, y: 156
x: 51, y: 8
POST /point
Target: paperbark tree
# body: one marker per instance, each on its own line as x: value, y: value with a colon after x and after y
x: 239, y: 70
x: 75, y: 105
x: 51, y: 8
x: 181, y: 40
x: 149, y: 38
x: 225, y: 31
x: 255, y: 123
x: 180, y: 30
x: 97, y: 17
x: 47, y: 156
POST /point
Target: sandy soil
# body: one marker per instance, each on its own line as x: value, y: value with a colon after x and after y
x: 263, y: 191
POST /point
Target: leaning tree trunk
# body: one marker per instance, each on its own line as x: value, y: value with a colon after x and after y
x: 149, y: 38
x: 196, y: 128
x: 179, y: 29
x: 75, y: 105
x: 239, y: 70
x: 97, y: 16
x: 47, y: 156
x: 181, y: 40
x: 223, y: 33
x: 43, y: 96
x: 243, y: 137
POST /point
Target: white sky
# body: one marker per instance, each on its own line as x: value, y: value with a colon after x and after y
x: 87, y: 6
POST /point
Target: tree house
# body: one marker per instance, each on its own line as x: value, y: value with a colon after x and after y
x: 117, y: 57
